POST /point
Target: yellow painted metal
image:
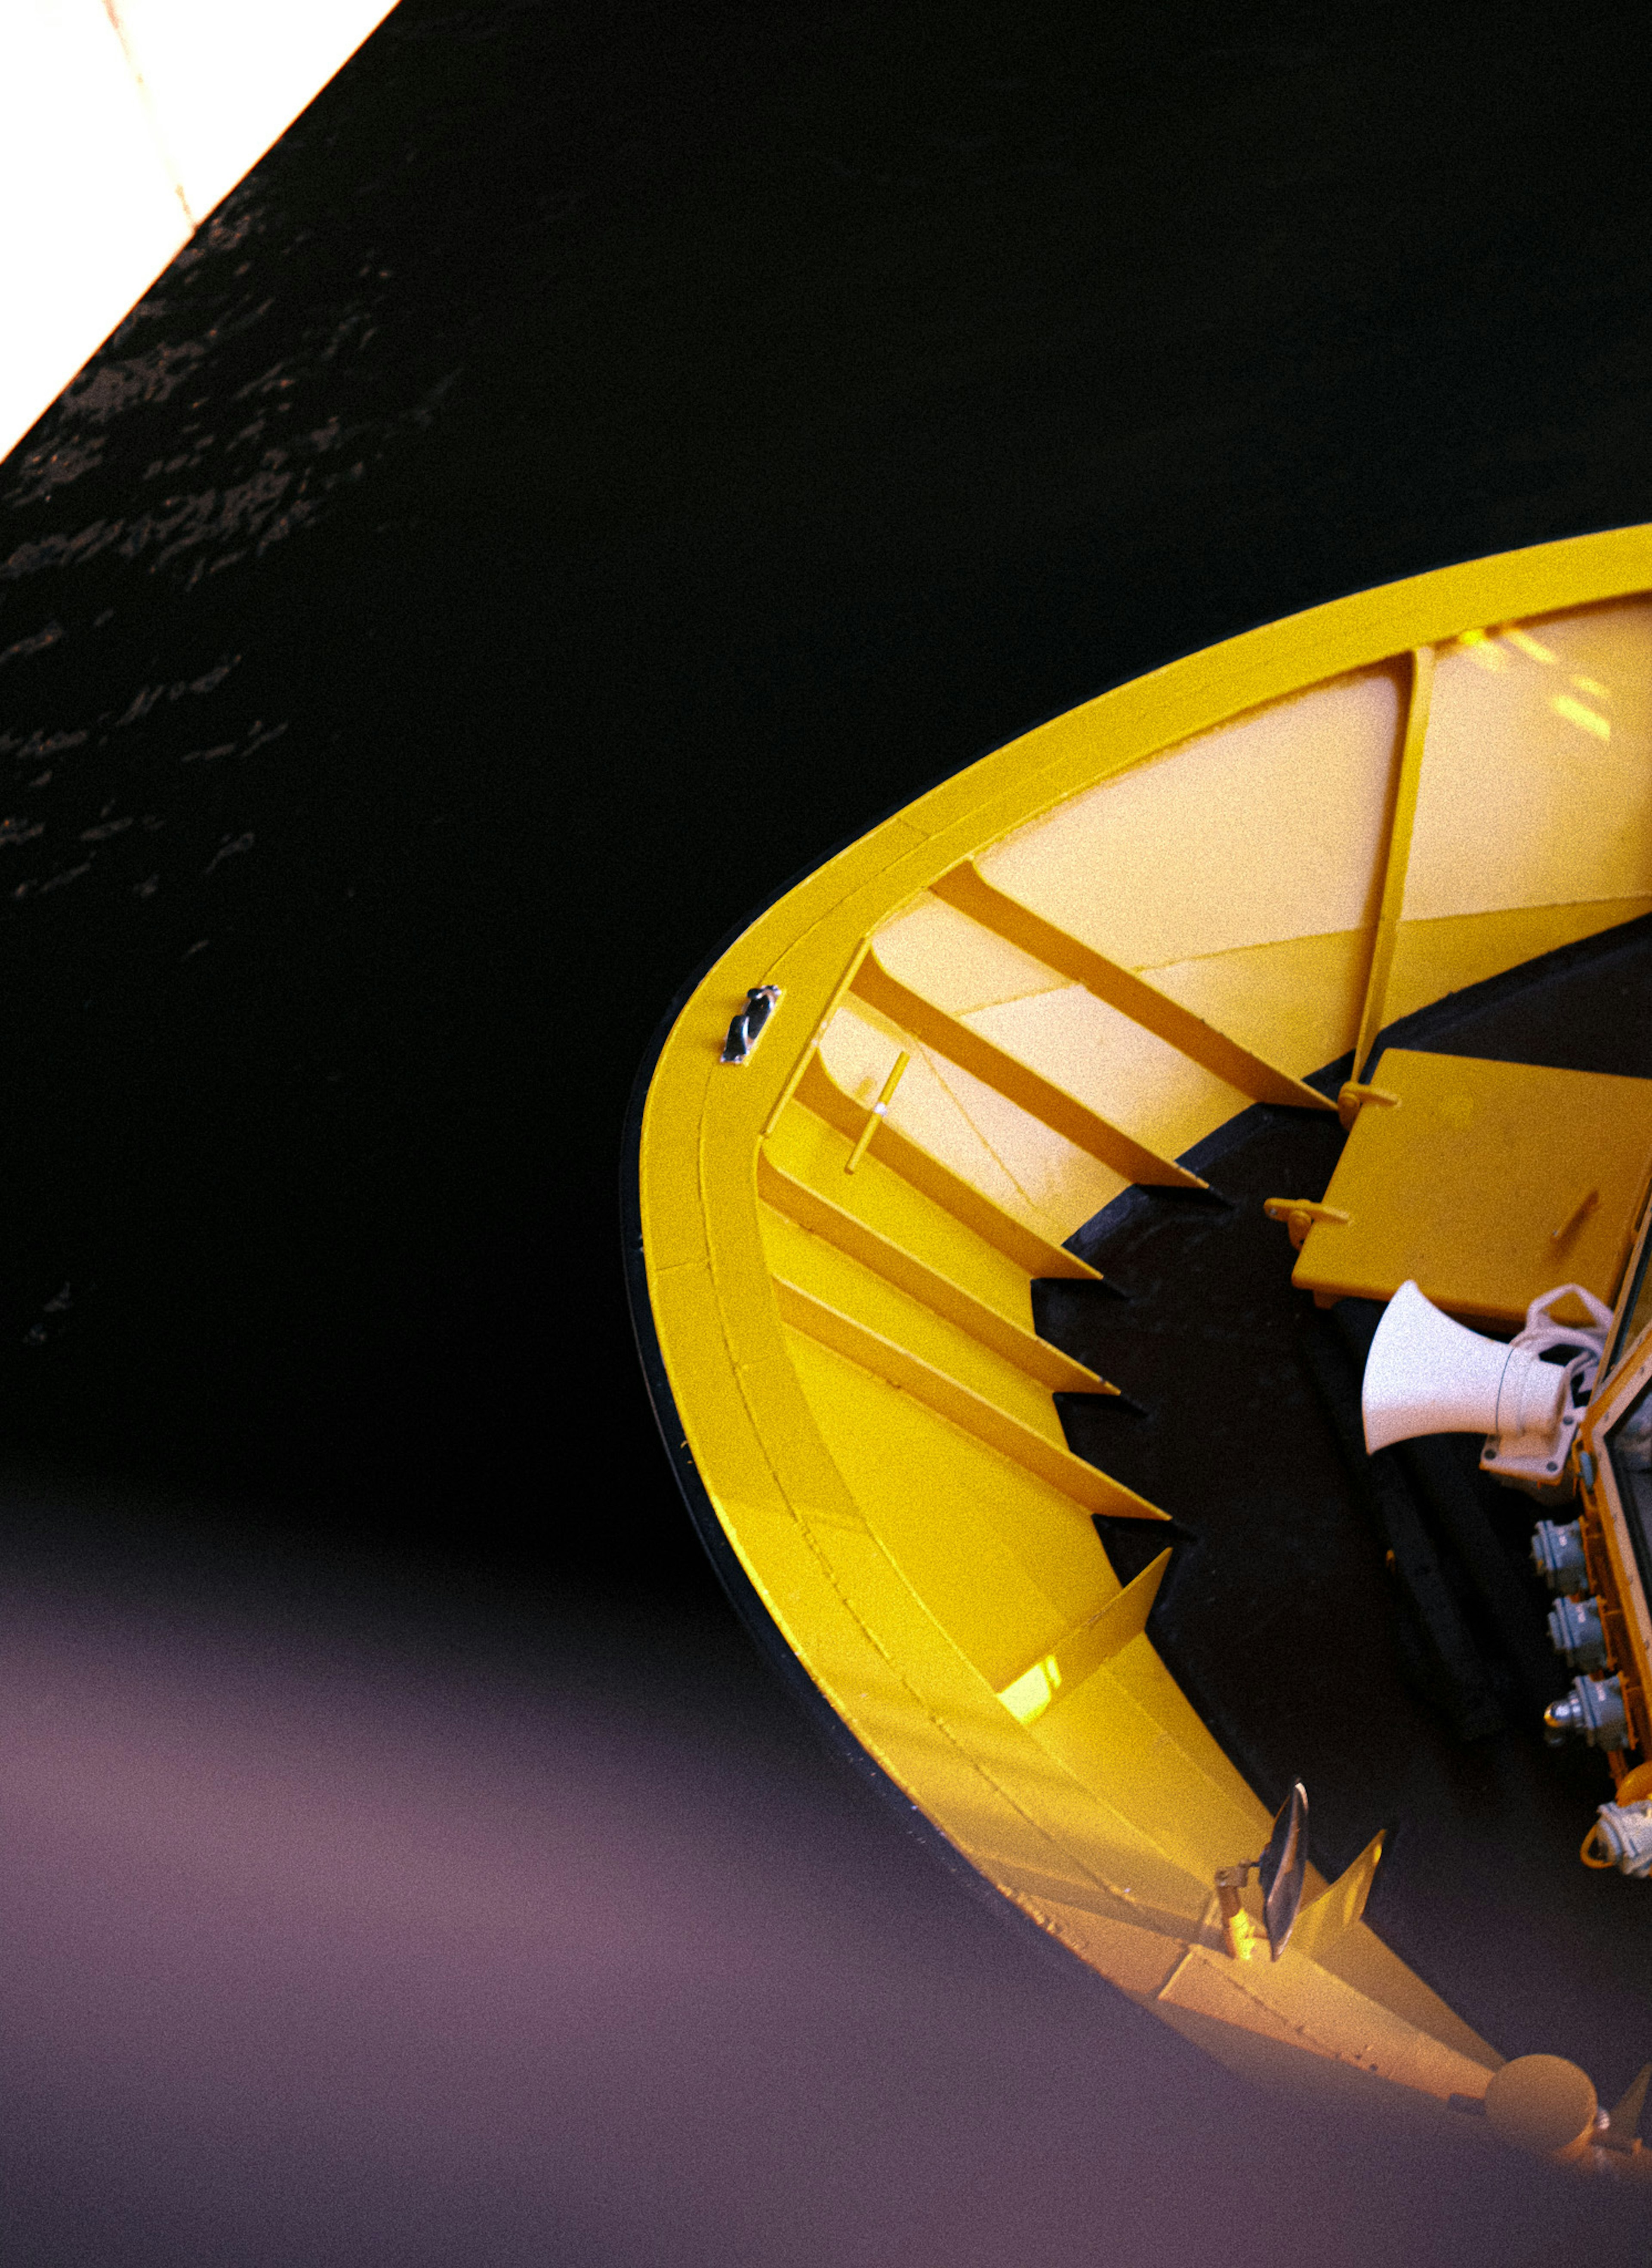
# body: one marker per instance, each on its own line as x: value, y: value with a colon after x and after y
x: 880, y: 1109
x: 950, y: 1399
x: 1055, y: 1371
x: 1468, y: 1185
x: 1352, y: 1096
x: 971, y: 1207
x: 1329, y: 1917
x: 1018, y: 1082
x: 862, y: 947
x: 967, y: 888
x: 1521, y: 805
x: 1216, y: 829
x: 1299, y: 1215
x: 1080, y: 1654
x: 1373, y: 1015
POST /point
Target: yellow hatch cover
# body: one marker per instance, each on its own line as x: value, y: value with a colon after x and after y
x: 1485, y: 1183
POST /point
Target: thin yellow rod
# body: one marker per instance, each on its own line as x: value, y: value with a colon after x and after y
x: 880, y: 1109
x: 1399, y: 858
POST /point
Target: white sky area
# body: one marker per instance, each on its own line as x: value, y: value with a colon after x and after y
x: 122, y: 124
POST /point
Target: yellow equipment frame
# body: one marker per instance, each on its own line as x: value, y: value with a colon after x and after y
x: 835, y: 1334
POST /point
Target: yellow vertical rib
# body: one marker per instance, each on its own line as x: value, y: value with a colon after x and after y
x: 1399, y: 858
x: 818, y: 1034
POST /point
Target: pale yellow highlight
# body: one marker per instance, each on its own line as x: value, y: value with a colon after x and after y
x: 1117, y: 1066
x: 1267, y: 829
x: 1525, y: 801
x: 1586, y: 719
x: 957, y: 964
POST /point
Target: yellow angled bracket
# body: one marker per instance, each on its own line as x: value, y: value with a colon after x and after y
x: 1353, y: 1098
x: 1336, y: 1910
x: 1082, y: 1483
x: 967, y: 890
x: 1088, y: 1648
x: 936, y: 1028
x: 909, y: 1274
x: 1032, y: 1252
x: 1299, y: 1215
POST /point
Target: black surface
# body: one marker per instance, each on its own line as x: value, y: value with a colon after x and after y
x: 1441, y: 1655
x: 601, y: 458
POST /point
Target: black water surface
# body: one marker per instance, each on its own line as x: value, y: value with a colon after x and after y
x: 598, y: 461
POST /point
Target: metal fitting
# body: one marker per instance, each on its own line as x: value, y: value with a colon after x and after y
x: 1624, y: 1831
x: 1574, y: 1630
x: 1557, y: 1553
x: 1594, y: 1707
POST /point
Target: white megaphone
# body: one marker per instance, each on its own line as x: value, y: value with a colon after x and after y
x: 1426, y: 1374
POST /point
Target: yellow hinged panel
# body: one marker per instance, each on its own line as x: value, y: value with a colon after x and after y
x: 1485, y: 1185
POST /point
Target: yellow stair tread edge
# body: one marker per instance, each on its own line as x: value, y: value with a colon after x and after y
x: 1083, y: 1483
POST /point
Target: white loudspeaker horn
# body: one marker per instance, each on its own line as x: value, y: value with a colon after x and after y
x: 1426, y: 1374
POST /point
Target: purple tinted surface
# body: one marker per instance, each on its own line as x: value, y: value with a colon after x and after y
x: 348, y: 1925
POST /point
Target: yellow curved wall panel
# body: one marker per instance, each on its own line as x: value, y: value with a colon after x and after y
x: 1033, y: 1173
x: 1434, y: 958
x: 1272, y: 826
x: 1534, y: 776
x: 973, y: 1568
x: 957, y: 964
x: 1296, y: 1002
x: 1140, y: 1082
